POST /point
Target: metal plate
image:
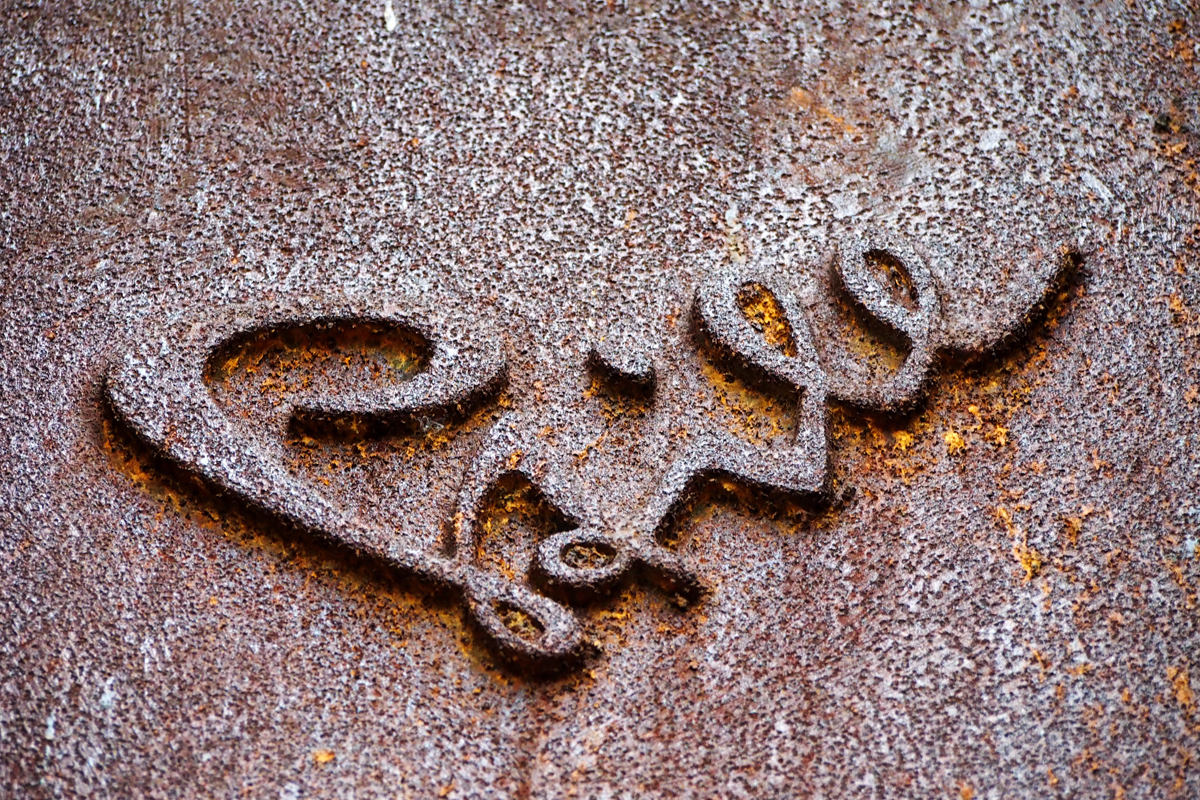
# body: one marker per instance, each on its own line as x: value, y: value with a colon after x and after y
x: 599, y: 400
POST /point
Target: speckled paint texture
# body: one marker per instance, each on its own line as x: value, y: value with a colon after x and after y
x: 988, y: 590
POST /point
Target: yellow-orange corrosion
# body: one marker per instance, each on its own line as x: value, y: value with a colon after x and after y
x: 763, y: 311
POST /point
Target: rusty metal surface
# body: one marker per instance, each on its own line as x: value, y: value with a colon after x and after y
x: 599, y: 400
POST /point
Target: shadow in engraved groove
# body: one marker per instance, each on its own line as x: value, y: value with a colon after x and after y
x: 261, y: 370
x: 720, y: 489
x: 621, y: 395
x: 757, y: 407
x: 515, y: 517
x: 379, y: 346
x: 850, y: 339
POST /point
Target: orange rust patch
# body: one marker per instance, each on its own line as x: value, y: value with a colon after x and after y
x: 762, y: 309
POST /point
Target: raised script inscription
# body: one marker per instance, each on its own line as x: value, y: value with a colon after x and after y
x: 744, y: 319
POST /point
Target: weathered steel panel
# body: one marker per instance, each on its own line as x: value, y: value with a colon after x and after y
x: 599, y: 399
